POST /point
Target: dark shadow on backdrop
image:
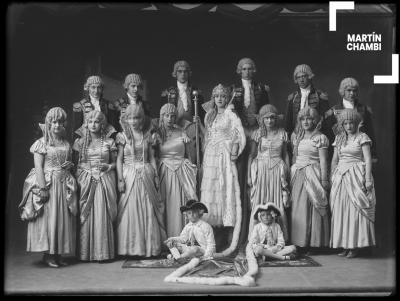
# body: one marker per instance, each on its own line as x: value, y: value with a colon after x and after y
x: 50, y: 54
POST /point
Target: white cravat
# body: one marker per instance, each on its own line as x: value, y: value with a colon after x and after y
x: 247, y: 91
x: 95, y: 102
x: 131, y: 99
x: 304, y: 96
x: 348, y: 104
x: 183, y: 95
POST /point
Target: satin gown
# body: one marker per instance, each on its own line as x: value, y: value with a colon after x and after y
x: 352, y: 206
x: 177, y: 182
x: 269, y: 175
x: 51, y: 226
x: 310, y: 223
x: 98, y: 201
x: 140, y: 219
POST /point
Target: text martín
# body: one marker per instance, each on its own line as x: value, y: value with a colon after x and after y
x: 364, y: 42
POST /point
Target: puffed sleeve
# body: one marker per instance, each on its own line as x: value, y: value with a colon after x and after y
x: 293, y: 138
x: 321, y: 141
x: 112, y: 145
x: 364, y: 139
x: 284, y: 136
x: 120, y: 139
x: 77, y: 144
x: 335, y: 142
x: 38, y: 147
x: 255, y: 136
x: 151, y: 139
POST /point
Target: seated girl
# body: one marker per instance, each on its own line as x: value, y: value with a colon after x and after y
x: 196, y: 238
x: 266, y: 237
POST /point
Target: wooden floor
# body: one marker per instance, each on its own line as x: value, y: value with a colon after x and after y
x: 373, y: 276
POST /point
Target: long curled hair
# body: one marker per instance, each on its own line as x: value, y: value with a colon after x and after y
x: 212, y: 113
x: 53, y: 114
x: 165, y: 109
x: 87, y: 139
x: 265, y: 111
x: 350, y: 115
x: 131, y: 110
x: 299, y: 131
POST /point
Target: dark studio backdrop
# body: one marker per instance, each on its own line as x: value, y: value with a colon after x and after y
x: 50, y: 52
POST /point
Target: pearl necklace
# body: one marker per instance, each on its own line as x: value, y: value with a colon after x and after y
x: 101, y: 155
x: 60, y: 144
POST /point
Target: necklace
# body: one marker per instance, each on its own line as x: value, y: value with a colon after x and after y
x: 101, y: 155
x: 59, y: 148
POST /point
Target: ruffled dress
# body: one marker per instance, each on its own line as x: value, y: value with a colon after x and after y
x: 140, y: 218
x: 98, y: 201
x: 309, y: 216
x: 269, y: 174
x: 352, y: 206
x: 220, y: 190
x: 51, y: 226
x: 177, y: 182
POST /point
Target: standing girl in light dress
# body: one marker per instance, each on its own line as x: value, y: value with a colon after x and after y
x: 268, y: 166
x: 98, y: 192
x: 352, y: 197
x: 177, y: 173
x: 225, y: 140
x: 140, y: 219
x: 49, y: 201
x: 309, y: 183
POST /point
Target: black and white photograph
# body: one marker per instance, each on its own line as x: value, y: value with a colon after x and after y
x: 201, y: 149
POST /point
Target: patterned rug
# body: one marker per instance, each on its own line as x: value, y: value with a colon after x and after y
x: 153, y: 263
x: 302, y: 261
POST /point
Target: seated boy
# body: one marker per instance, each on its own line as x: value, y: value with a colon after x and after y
x: 197, y: 237
x: 266, y: 237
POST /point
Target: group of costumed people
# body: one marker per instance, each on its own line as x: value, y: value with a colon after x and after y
x: 205, y: 179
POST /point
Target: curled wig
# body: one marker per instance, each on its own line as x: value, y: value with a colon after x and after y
x: 348, y: 82
x: 181, y: 64
x: 243, y: 61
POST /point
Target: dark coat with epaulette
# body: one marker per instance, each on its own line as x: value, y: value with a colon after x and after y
x: 83, y: 107
x: 260, y: 96
x: 119, y: 106
x: 317, y: 99
x: 366, y: 127
x: 171, y: 95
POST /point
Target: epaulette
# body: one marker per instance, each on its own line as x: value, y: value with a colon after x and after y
x: 164, y: 93
x: 323, y: 95
x: 169, y: 90
x: 116, y: 104
x: 77, y: 107
x: 111, y: 106
x: 328, y: 113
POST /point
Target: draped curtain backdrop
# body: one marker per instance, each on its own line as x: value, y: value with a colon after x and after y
x: 52, y: 48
